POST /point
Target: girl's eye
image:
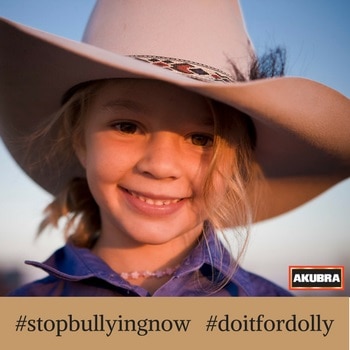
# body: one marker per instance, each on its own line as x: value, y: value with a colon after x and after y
x: 202, y: 140
x: 125, y: 127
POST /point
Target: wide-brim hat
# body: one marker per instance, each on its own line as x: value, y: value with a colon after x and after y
x: 303, y: 127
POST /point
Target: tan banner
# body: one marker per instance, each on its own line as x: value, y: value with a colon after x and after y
x: 175, y: 323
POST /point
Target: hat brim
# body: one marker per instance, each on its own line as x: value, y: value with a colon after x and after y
x: 303, y: 133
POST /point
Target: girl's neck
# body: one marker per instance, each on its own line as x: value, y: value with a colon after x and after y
x: 141, y: 257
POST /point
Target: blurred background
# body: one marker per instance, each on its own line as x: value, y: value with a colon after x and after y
x: 316, y: 35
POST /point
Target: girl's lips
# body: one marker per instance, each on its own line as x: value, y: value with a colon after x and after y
x: 151, y: 204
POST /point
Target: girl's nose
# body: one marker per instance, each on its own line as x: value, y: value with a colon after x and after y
x: 161, y: 158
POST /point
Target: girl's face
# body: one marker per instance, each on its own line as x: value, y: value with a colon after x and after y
x: 146, y: 150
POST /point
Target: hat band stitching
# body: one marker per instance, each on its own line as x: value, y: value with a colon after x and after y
x: 191, y: 69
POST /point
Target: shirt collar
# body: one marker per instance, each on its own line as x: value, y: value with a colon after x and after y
x: 74, y: 264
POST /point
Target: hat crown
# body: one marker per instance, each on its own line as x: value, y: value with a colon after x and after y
x: 208, y: 32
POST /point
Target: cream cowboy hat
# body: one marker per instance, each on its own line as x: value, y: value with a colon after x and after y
x: 303, y: 127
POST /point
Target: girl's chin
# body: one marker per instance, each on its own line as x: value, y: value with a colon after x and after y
x: 155, y: 238
x: 141, y: 233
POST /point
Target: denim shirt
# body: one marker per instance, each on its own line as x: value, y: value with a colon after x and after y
x: 74, y: 271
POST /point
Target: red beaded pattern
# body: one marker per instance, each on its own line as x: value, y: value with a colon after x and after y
x: 191, y: 69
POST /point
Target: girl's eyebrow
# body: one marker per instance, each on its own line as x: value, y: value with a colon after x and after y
x: 134, y: 106
x: 208, y: 121
x: 123, y: 103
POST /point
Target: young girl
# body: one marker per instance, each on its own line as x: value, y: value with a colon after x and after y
x: 157, y: 145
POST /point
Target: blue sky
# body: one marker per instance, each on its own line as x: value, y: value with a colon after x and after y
x: 316, y: 34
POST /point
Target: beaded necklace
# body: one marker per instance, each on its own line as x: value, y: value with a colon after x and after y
x: 134, y: 275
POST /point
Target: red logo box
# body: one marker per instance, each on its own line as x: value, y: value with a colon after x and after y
x: 316, y: 277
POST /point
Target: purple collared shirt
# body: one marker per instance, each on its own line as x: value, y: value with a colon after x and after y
x: 74, y: 271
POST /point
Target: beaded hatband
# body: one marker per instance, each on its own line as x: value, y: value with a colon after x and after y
x: 191, y: 69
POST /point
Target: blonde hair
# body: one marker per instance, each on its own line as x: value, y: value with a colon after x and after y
x: 74, y: 203
x: 234, y: 161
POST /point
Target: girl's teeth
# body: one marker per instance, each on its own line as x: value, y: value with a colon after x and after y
x: 155, y: 201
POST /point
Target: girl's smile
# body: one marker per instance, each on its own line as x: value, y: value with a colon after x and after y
x: 153, y: 199
x: 146, y: 149
x: 150, y: 204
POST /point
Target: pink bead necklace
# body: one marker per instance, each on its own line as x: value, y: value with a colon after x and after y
x: 134, y: 275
